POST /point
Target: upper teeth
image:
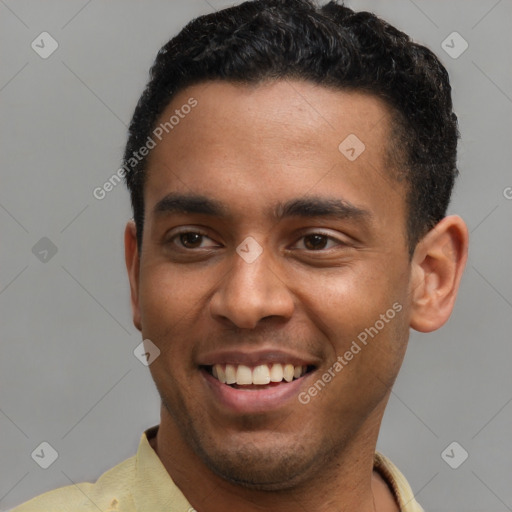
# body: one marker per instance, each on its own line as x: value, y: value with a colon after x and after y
x: 259, y: 375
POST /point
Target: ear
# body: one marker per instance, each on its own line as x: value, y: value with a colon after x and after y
x: 437, y: 266
x: 131, y: 254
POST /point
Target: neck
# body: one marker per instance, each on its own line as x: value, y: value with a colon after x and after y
x: 348, y: 484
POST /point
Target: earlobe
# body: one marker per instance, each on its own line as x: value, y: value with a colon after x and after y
x: 437, y: 267
x: 132, y: 260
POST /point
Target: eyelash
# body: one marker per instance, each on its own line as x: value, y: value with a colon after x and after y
x: 326, y: 236
x: 339, y: 242
x: 194, y: 232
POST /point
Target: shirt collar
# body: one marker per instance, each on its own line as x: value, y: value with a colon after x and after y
x: 153, y: 487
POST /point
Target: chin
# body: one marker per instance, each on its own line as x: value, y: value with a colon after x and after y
x: 271, y: 467
x: 253, y: 473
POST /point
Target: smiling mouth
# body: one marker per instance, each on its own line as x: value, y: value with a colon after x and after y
x: 263, y: 376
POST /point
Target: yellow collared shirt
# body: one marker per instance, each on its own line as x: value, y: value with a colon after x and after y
x: 142, y: 484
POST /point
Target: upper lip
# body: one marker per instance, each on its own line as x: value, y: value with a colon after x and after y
x: 256, y: 357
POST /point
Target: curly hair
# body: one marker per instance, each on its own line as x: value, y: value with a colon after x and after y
x: 332, y: 46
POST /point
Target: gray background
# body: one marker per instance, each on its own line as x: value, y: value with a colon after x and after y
x: 68, y: 375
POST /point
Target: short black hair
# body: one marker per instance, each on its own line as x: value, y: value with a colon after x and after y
x: 329, y: 45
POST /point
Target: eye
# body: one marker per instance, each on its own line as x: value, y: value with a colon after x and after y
x: 318, y: 242
x: 193, y: 240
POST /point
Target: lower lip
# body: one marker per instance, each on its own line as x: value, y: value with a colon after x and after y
x: 254, y: 401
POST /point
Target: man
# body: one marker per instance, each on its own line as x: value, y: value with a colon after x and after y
x: 290, y: 167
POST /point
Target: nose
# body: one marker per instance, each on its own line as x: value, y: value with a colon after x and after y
x: 250, y: 292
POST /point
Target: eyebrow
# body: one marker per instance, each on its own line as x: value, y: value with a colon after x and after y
x: 320, y: 207
x: 190, y: 203
x: 306, y: 207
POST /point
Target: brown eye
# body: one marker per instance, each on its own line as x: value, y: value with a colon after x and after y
x: 191, y: 240
x: 315, y: 242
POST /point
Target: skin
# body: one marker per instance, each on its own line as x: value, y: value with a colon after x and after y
x: 250, y: 148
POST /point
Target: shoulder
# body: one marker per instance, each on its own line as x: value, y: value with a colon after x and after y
x: 111, y: 492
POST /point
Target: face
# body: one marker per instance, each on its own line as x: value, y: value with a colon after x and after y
x: 273, y: 276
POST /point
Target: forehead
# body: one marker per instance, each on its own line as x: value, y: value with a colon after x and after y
x: 277, y: 115
x: 255, y: 145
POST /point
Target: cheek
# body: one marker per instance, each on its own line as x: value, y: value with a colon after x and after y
x: 164, y: 306
x: 362, y: 316
x: 167, y: 304
x: 173, y: 304
x: 168, y: 295
x: 347, y: 301
x: 362, y: 319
